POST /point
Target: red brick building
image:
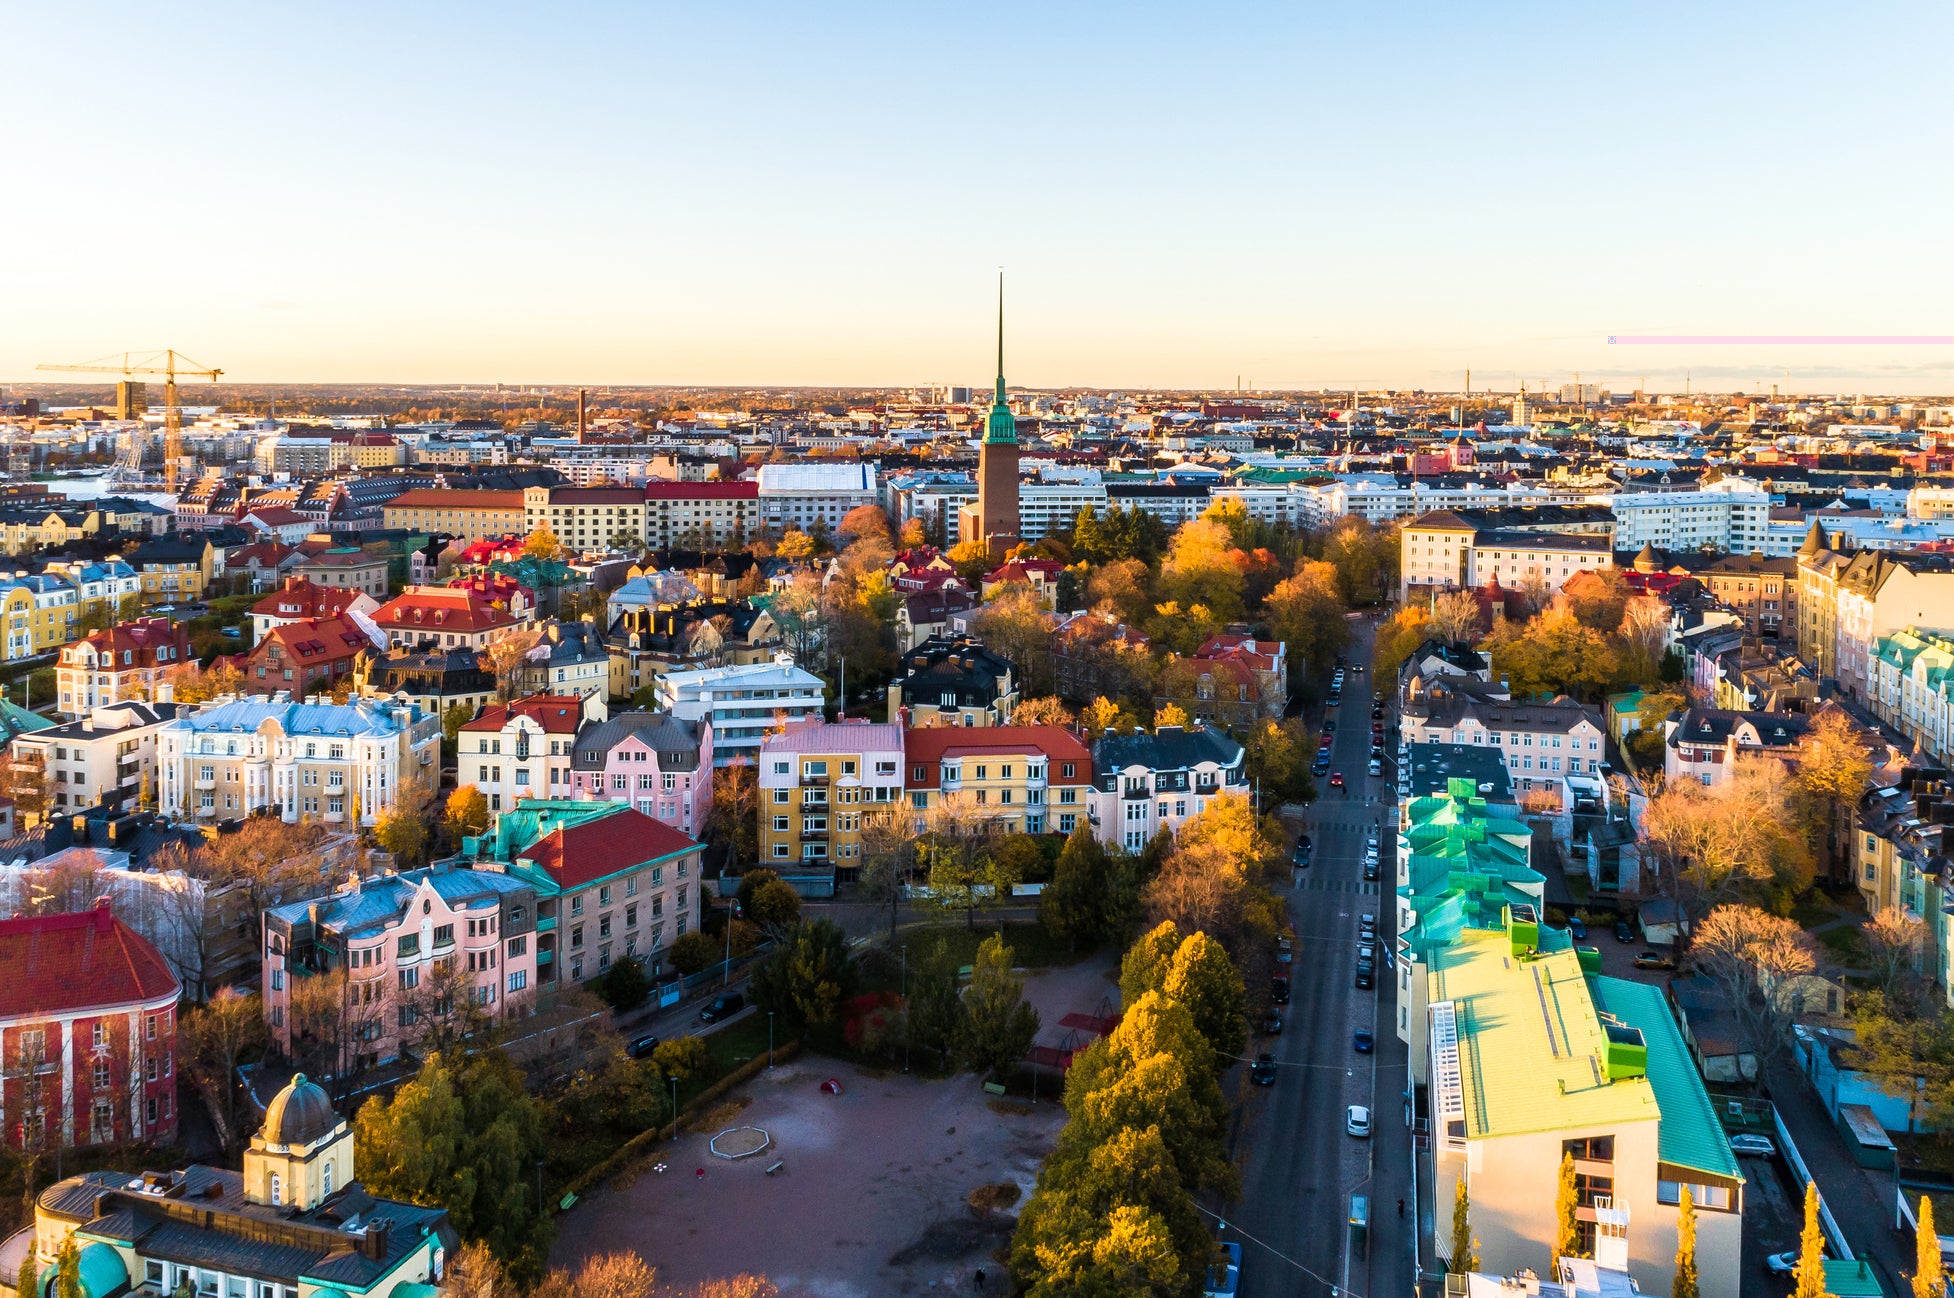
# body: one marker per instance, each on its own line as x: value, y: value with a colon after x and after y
x: 88, y: 1032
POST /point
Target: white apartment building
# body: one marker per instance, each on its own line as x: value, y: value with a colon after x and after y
x: 798, y: 496
x: 103, y: 755
x: 1732, y: 514
x: 701, y: 513
x: 743, y: 703
x: 1539, y: 742
x: 523, y: 749
x: 319, y: 761
x: 1380, y: 498
x: 930, y: 496
x: 1447, y: 551
x: 1045, y: 507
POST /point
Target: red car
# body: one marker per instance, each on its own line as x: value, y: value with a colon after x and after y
x: 1336, y: 779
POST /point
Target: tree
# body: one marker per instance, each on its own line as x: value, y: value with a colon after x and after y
x: 807, y: 978
x: 467, y: 1136
x: 1554, y: 653
x: 1119, y: 590
x: 914, y: 535
x: 1047, y: 711
x: 27, y: 1281
x: 504, y: 657
x: 190, y: 683
x: 694, y: 952
x: 999, y: 1027
x: 1894, y: 941
x: 681, y: 1057
x: 774, y: 906
x: 1276, y: 758
x: 1643, y: 635
x: 1306, y: 613
x: 733, y: 825
x: 1465, y: 1249
x: 1169, y: 714
x: 210, y: 1040
x: 1365, y: 557
x: 796, y: 544
x: 1832, y: 771
x: 1567, y: 1236
x: 1073, y: 905
x: 607, y: 1275
x: 67, y: 1270
x: 542, y: 544
x: 1398, y: 639
x: 864, y: 521
x: 624, y: 985
x: 1017, y: 626
x: 1684, y: 1285
x: 1751, y: 956
x: 1202, y: 568
x: 1808, y: 1277
x: 1928, y: 1278
x: 1147, y: 962
x: 407, y: 829
x: 1715, y: 843
x: 888, y: 858
x: 934, y: 1011
x: 467, y: 813
x: 749, y: 887
x: 1599, y: 599
x: 956, y: 850
x: 1202, y: 977
x: 1455, y: 617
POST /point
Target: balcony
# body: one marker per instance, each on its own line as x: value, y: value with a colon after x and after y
x: 204, y: 786
x: 813, y: 780
x: 815, y: 835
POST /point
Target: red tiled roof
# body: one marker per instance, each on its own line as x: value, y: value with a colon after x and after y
x: 448, y: 608
x: 585, y: 853
x: 557, y: 714
x: 299, y: 597
x: 452, y: 498
x: 310, y: 641
x: 928, y: 747
x: 57, y: 964
x: 702, y: 491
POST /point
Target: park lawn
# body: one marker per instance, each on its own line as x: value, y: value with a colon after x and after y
x: 1032, y: 946
x: 736, y: 1043
x: 1845, y: 944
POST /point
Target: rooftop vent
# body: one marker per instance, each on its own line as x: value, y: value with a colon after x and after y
x: 1626, y: 1053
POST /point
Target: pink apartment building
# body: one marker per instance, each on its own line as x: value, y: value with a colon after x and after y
x: 651, y: 761
x: 416, y: 948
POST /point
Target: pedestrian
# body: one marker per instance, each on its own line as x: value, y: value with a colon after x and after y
x: 979, y: 1278
x: 1401, y: 1209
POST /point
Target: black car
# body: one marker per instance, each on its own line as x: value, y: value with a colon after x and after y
x: 1330, y: 727
x: 1623, y: 933
x: 1263, y: 1072
x: 641, y: 1047
x: 1320, y: 767
x: 722, y: 1007
x: 1370, y: 872
x: 1377, y: 714
x: 1279, y: 990
x: 1271, y: 1024
x: 1366, y: 975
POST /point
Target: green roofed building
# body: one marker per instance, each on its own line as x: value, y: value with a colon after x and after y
x: 1533, y: 1056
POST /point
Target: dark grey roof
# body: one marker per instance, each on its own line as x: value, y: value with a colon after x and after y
x: 1171, y: 748
x: 299, y: 1114
x: 676, y: 742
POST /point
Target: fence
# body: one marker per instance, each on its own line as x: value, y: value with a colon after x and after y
x: 1906, y: 1219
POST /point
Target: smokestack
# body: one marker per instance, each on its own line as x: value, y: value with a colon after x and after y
x: 581, y: 423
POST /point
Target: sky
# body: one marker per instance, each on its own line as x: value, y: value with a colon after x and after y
x: 1181, y: 195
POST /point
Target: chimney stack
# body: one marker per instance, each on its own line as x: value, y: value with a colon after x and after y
x: 581, y: 422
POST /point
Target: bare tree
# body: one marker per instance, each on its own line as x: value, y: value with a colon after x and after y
x: 1751, y: 955
x: 888, y: 857
x: 504, y: 657
x: 1645, y: 632
x: 1894, y: 941
x: 1455, y: 616
x: 210, y: 1040
x: 958, y: 835
x: 1714, y: 842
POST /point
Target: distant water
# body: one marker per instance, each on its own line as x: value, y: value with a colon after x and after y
x: 85, y: 488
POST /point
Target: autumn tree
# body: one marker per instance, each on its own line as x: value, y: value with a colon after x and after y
x: 888, y: 858
x: 1465, y: 1249
x: 542, y: 544
x: 467, y: 813
x: 504, y: 657
x: 1365, y: 556
x: 1808, y: 1276
x: 1049, y: 710
x: 1015, y: 625
x: 1894, y: 940
x: 407, y: 828
x: 1598, y: 599
x: 190, y: 683
x: 1567, y: 1226
x: 1120, y: 590
x: 1306, y: 612
x: 1751, y: 956
x: 733, y: 826
x: 1202, y: 569
x: 1554, y: 653
x: 1833, y: 768
x: 1276, y: 757
x: 1643, y: 635
x: 1684, y: 1285
x: 867, y: 521
x: 1929, y: 1280
x: 1397, y: 639
x: 1721, y: 842
x: 1455, y: 617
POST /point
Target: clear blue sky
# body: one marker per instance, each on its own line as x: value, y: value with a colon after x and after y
x: 1299, y: 193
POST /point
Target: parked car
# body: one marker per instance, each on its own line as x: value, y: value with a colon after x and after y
x: 1782, y: 1263
x: 1376, y: 767
x: 1367, y: 928
x: 722, y: 1007
x: 1366, y: 976
x: 1654, y: 960
x: 1263, y: 1071
x: 1357, y: 1121
x: 1370, y: 871
x: 1321, y: 766
x: 1377, y: 714
x: 1623, y: 932
x: 1225, y: 1279
x: 1279, y: 990
x: 1577, y: 927
x: 1285, y: 950
x: 641, y: 1047
x: 1362, y: 1040
x: 1760, y: 1146
x: 1330, y: 726
x: 1271, y: 1024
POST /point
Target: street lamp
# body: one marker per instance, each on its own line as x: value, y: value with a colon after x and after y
x: 675, y: 1108
x: 769, y: 1038
x: 905, y: 1007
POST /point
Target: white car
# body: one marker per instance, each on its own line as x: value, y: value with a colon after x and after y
x: 1761, y: 1146
x: 1376, y: 767
x: 1357, y: 1121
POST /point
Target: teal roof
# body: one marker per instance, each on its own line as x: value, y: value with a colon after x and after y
x: 1466, y: 861
x: 16, y: 720
x: 1854, y: 1279
x: 532, y: 818
x: 999, y: 426
x: 1689, y: 1134
x: 102, y: 1271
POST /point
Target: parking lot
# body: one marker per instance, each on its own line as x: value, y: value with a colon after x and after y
x: 1774, y: 1215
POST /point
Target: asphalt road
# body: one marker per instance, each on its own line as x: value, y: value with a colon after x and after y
x: 1298, y: 1166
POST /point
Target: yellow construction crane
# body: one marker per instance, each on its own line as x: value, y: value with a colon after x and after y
x: 167, y: 363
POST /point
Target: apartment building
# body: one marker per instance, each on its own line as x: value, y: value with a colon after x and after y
x: 743, y: 703
x: 523, y: 749
x: 701, y: 513
x: 1144, y: 783
x: 339, y: 763
x: 954, y: 681
x: 119, y: 663
x: 587, y: 518
x: 1231, y: 681
x: 1535, y: 1057
x: 465, y: 515
x: 649, y: 760
x: 173, y: 569
x: 1847, y: 601
x: 1047, y: 507
x: 1732, y: 514
x: 1539, y: 742
x: 88, y: 1030
x: 1912, y: 687
x: 414, y: 947
x: 300, y: 599
x: 1447, y: 550
x: 1763, y: 592
x: 820, y: 783
x: 571, y: 658
x: 102, y: 756
x: 109, y: 589
x: 612, y: 883
x: 39, y: 614
x: 1704, y: 744
x: 306, y: 657
x: 434, y: 680
x: 803, y: 496
x: 1021, y: 779
x: 347, y: 568
x: 457, y: 616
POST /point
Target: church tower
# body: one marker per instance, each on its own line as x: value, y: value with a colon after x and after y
x: 997, y: 462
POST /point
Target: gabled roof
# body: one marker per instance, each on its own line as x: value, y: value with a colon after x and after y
x: 557, y: 714
x: 1170, y: 748
x: 301, y: 597
x: 677, y: 742
x: 51, y: 964
x: 443, y: 608
x: 313, y: 640
x: 576, y: 855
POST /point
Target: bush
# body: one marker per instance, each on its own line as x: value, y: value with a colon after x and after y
x: 873, y: 1024
x: 681, y: 1057
x: 624, y: 985
x: 694, y: 952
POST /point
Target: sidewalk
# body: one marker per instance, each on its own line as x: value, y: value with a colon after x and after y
x: 1861, y: 1201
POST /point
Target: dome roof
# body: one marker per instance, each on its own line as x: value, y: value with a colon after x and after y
x: 299, y: 1114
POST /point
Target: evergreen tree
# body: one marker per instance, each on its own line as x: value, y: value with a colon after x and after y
x: 1684, y: 1286
x: 1465, y: 1249
x: 1566, y: 1230
x: 1927, y: 1270
x: 1808, y: 1277
x: 999, y: 1027
x: 1073, y: 905
x: 934, y: 1012
x: 28, y: 1283
x: 67, y: 1270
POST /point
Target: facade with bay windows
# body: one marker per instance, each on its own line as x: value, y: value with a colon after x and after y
x: 1014, y: 779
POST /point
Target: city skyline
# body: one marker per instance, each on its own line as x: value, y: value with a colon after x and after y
x: 631, y: 196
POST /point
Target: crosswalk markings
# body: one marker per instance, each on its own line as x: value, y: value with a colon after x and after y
x: 1357, y: 886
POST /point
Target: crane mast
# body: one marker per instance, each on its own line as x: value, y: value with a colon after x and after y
x: 169, y: 364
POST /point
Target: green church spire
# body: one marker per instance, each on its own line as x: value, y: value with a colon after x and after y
x: 999, y: 426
